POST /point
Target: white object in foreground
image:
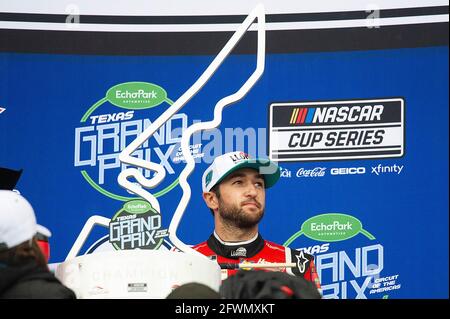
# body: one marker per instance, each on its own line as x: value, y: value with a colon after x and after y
x: 135, y: 273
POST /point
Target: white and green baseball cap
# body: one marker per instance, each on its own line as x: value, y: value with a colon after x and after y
x: 227, y: 163
x: 17, y: 219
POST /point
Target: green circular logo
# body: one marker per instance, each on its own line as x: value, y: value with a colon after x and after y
x: 136, y: 225
x: 131, y: 96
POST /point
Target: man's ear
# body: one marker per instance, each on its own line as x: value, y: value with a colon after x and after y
x: 211, y: 200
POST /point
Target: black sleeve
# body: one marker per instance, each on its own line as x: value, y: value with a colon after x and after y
x: 39, y: 288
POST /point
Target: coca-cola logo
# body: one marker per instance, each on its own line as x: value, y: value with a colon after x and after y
x: 315, y: 172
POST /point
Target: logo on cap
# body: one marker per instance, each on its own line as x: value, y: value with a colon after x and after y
x: 208, y: 178
x: 236, y: 158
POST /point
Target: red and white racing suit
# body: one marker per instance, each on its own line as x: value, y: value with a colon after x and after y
x: 258, y: 250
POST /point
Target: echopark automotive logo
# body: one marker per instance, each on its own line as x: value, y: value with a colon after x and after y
x: 331, y: 130
x: 112, y: 122
x: 356, y: 272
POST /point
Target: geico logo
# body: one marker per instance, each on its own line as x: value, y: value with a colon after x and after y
x: 348, y: 170
x: 105, y: 118
x: 334, y: 226
x: 348, y: 113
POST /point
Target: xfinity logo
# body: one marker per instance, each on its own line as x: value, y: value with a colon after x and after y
x: 378, y: 170
x: 240, y: 252
x: 348, y: 170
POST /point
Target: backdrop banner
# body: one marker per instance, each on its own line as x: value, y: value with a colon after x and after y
x: 352, y: 104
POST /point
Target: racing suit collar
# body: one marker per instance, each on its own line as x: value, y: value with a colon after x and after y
x: 236, y: 250
x: 235, y: 243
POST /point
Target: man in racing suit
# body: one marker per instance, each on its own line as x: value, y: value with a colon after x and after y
x: 234, y: 190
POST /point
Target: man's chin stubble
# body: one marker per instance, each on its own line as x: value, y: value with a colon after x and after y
x: 240, y: 220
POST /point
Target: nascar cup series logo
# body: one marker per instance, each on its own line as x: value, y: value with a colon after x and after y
x: 136, y: 225
x: 113, y: 122
x: 331, y: 130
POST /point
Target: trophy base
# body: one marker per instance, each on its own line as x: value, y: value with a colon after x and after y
x: 151, y: 274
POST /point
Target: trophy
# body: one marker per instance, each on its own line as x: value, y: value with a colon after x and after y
x: 147, y: 273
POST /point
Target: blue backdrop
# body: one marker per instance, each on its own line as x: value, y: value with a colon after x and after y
x: 45, y: 97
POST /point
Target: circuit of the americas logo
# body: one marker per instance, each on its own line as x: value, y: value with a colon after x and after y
x: 334, y: 130
x: 136, y: 225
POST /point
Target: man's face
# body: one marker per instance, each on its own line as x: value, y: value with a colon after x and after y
x: 242, y: 198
